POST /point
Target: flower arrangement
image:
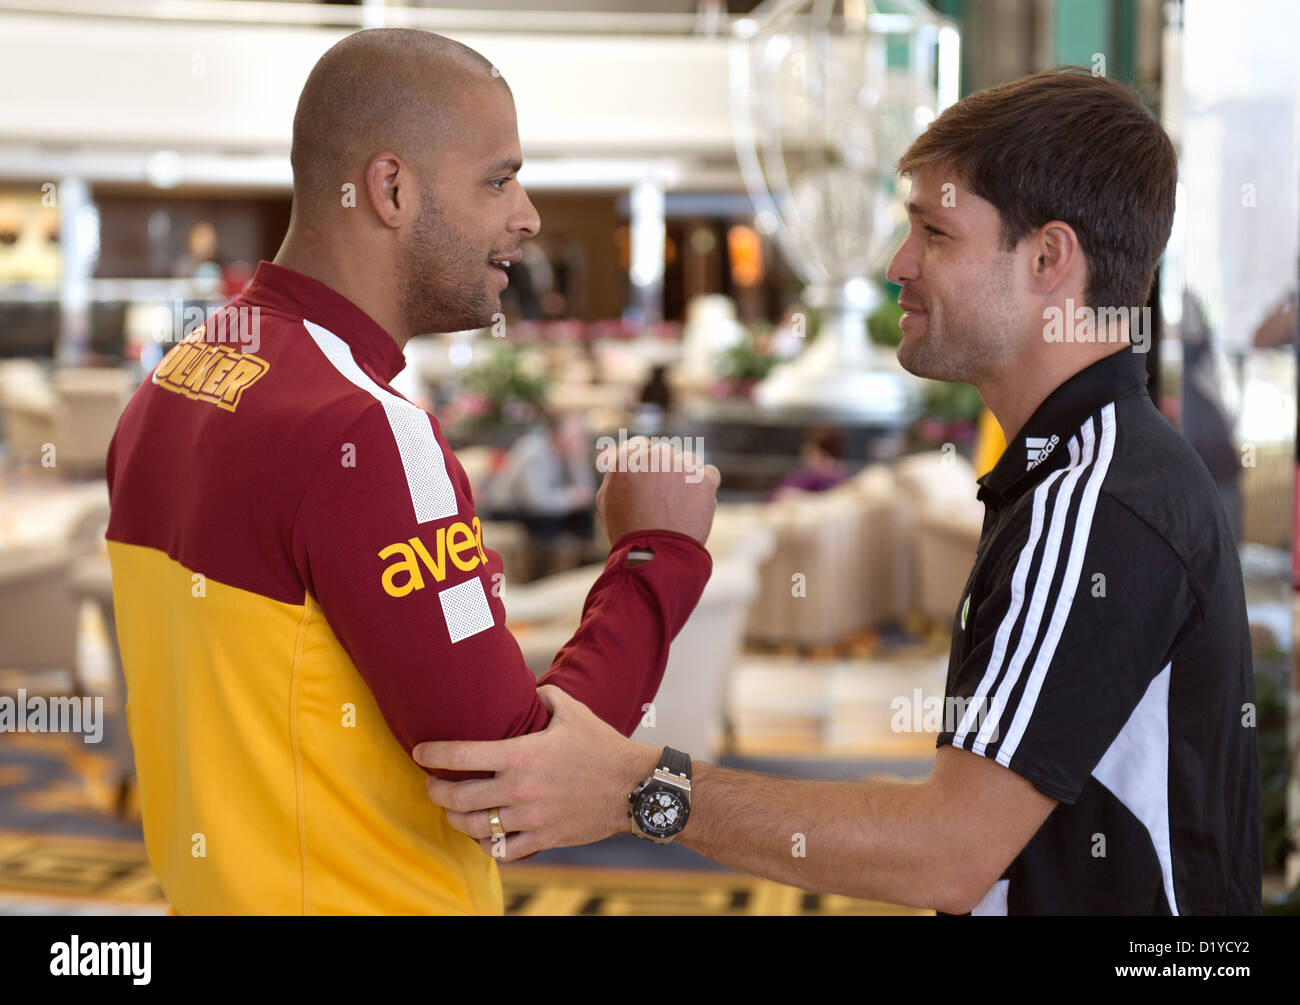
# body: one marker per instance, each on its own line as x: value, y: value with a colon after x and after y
x: 505, y: 389
x: 951, y: 413
x: 742, y: 366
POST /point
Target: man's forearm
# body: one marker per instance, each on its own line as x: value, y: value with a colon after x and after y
x: 615, y: 661
x: 876, y: 840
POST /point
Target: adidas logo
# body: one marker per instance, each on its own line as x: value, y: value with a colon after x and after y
x: 1037, y: 448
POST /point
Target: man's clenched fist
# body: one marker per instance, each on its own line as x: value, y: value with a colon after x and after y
x: 656, y: 488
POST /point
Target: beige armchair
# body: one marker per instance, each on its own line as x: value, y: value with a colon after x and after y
x: 40, y: 606
x: 940, y: 518
x: 28, y: 405
x: 893, y: 540
x: 811, y: 587
x: 946, y: 541
x: 76, y: 411
x: 90, y: 400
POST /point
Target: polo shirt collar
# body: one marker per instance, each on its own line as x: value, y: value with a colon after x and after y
x: 276, y: 288
x: 1040, y: 445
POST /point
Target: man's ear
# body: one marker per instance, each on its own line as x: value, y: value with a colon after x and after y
x: 390, y: 189
x: 1054, y: 255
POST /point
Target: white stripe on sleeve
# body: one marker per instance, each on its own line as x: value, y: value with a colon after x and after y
x: 1069, y: 586
x: 991, y: 729
x: 432, y: 495
x: 1000, y: 641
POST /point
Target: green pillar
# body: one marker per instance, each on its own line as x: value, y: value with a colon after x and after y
x: 1083, y: 28
x: 955, y: 10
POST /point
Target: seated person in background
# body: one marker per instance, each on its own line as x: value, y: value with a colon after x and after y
x: 546, y: 481
x: 656, y: 402
x: 823, y: 468
x: 657, y: 390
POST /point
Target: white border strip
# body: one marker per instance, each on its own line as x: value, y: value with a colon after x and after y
x: 1009, y: 619
x: 432, y: 494
x: 1069, y: 586
x: 991, y: 730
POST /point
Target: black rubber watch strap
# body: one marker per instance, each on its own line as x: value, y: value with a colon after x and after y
x: 675, y: 762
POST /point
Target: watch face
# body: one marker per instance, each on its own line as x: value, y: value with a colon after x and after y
x: 661, y: 812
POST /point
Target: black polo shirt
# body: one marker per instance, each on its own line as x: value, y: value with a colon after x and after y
x: 1102, y: 651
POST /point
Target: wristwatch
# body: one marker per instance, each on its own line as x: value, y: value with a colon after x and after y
x: 661, y: 804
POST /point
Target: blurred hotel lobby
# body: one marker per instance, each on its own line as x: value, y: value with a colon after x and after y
x: 687, y: 281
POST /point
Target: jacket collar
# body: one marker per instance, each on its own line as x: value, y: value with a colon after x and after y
x: 274, y: 287
x: 1039, y: 447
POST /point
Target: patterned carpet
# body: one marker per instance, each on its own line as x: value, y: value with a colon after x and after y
x: 54, y: 873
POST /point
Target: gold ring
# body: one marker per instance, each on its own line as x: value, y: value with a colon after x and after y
x: 494, y: 820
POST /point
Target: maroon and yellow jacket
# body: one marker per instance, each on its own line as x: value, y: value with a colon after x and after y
x: 303, y: 594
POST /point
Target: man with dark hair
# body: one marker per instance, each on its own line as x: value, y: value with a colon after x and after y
x: 302, y: 587
x: 1098, y: 753
x: 822, y: 464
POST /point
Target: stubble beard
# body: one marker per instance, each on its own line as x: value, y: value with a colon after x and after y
x: 443, y: 284
x: 973, y: 343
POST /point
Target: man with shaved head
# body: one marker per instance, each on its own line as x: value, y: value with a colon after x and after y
x: 422, y: 130
x: 303, y: 591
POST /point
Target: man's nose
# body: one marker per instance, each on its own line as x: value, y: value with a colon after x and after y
x: 526, y: 221
x: 903, y: 266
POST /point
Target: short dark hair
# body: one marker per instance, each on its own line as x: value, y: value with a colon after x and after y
x: 1066, y: 145
x: 827, y: 439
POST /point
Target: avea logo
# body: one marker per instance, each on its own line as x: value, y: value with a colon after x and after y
x: 452, y: 543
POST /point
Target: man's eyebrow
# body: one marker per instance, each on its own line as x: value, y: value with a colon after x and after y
x: 508, y: 164
x: 917, y: 208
